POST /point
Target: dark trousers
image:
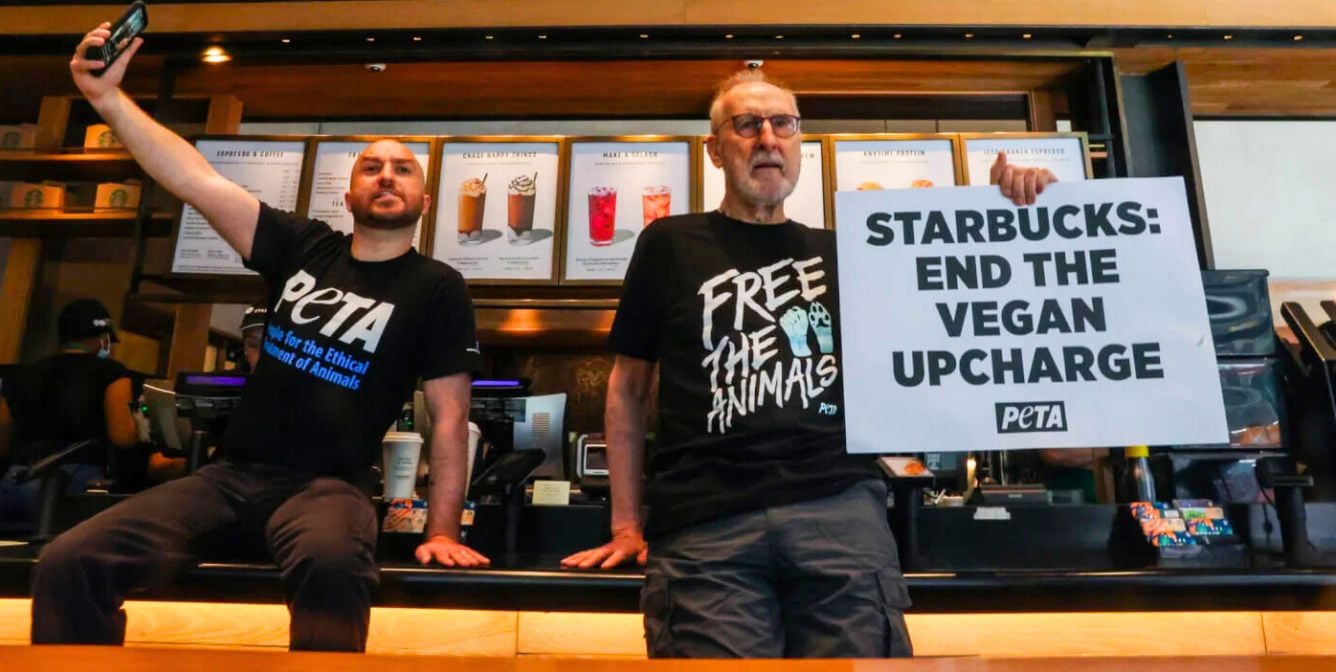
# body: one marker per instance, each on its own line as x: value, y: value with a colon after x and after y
x: 816, y: 579
x: 321, y: 533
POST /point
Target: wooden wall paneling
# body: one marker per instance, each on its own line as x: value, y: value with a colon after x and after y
x: 581, y: 634
x: 1300, y: 632
x: 599, y: 89
x: 1088, y: 634
x: 19, y: 280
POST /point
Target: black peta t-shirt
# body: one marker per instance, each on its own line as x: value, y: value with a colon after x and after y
x: 60, y: 400
x: 345, y: 344
x: 743, y: 320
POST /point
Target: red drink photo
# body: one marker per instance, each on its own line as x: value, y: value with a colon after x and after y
x: 602, y: 215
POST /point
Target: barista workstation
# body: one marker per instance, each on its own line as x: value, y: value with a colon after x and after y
x: 977, y: 531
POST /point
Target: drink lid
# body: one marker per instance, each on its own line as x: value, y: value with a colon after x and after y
x: 403, y: 437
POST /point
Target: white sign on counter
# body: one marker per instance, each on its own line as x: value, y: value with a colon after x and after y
x: 334, y: 161
x: 1062, y: 154
x: 496, y: 217
x: 271, y: 170
x: 973, y: 324
x: 616, y: 190
x: 870, y: 165
x: 806, y: 205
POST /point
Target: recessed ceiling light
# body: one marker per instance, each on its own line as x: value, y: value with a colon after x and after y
x: 644, y: 36
x: 216, y: 54
x: 1170, y: 36
x: 1026, y: 36
x: 969, y: 36
x: 286, y: 41
x: 417, y: 39
x: 542, y: 37
x: 855, y: 36
x: 779, y: 37
x: 1298, y: 38
x: 1229, y: 37
x: 370, y: 39
x: 728, y: 36
x: 488, y: 37
x: 897, y: 36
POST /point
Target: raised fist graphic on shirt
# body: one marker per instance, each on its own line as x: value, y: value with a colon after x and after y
x: 821, y: 325
x: 794, y: 323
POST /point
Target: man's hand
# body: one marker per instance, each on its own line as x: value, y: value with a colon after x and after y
x: 97, y: 88
x: 625, y: 545
x: 449, y: 553
x: 1019, y: 183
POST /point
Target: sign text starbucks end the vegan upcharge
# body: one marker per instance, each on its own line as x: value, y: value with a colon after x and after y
x: 1084, y: 313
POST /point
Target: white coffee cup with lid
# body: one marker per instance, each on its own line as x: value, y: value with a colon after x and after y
x: 402, y: 450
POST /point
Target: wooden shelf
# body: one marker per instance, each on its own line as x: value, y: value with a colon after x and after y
x: 69, y: 165
x: 70, y: 155
x: 92, y: 224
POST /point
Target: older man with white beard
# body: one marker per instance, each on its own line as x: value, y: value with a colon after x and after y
x: 353, y: 322
x: 765, y: 538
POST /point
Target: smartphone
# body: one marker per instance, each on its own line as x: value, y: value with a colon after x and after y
x: 123, y: 32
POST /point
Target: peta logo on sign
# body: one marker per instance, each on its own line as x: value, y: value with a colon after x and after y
x: 1031, y: 416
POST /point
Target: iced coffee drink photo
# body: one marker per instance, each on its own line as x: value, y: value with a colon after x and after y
x: 519, y: 209
x: 472, y: 202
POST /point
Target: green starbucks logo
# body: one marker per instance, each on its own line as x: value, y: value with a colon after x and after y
x: 119, y: 198
x: 10, y: 140
x: 33, y: 199
x: 107, y: 139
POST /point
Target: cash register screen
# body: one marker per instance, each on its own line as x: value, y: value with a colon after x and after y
x: 539, y: 424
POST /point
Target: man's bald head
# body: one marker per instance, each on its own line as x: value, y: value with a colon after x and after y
x: 387, y: 189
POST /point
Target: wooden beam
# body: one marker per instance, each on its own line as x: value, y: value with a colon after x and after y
x: 224, y: 115
x: 20, y: 277
x: 225, y: 17
x: 190, y: 338
x: 1041, y: 114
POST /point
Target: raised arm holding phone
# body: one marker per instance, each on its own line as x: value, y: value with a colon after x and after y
x: 305, y: 430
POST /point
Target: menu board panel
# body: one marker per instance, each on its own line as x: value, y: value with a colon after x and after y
x: 496, y: 217
x: 616, y: 188
x: 1063, y: 153
x: 871, y: 164
x: 271, y: 170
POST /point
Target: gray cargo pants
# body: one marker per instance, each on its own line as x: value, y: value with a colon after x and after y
x: 816, y: 579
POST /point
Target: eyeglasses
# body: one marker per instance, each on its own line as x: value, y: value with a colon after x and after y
x: 749, y: 125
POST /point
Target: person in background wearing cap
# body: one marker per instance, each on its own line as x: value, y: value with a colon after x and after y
x: 76, y: 394
x: 252, y: 336
x: 162, y: 468
x: 362, y: 318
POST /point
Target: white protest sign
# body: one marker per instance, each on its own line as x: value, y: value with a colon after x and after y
x: 977, y: 325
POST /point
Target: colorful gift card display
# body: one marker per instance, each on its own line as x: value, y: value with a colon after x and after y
x: 1194, y: 522
x: 406, y: 516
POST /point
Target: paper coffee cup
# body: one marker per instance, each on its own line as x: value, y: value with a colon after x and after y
x: 402, y: 451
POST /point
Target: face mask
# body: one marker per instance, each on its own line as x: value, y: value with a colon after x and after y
x: 105, y: 351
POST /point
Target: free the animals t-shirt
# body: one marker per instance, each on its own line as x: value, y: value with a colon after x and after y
x: 345, y: 345
x: 743, y: 320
